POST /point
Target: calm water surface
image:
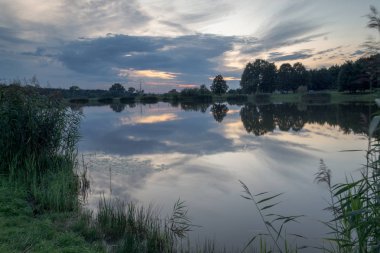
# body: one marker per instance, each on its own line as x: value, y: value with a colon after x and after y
x: 155, y: 154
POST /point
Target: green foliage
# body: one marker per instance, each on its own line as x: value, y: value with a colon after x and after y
x: 259, y: 76
x: 24, y: 231
x: 219, y: 85
x: 285, y: 77
x: 137, y: 229
x: 34, y: 130
x: 201, y: 94
x: 300, y: 77
x: 360, y: 75
x: 38, y: 137
x: 117, y: 89
x: 356, y: 208
x: 321, y: 79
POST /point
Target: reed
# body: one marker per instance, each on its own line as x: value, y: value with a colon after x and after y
x: 38, y: 137
x: 355, y: 204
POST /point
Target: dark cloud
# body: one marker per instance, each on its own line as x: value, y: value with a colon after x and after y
x: 10, y: 36
x: 191, y: 54
x: 298, y: 55
x: 357, y: 53
x: 328, y: 50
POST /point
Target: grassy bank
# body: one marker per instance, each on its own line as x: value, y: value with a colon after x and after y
x: 26, y: 229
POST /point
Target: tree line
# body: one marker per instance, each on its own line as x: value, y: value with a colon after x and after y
x: 262, y: 76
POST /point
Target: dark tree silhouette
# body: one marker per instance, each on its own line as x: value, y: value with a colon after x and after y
x: 219, y: 85
x: 219, y: 111
x: 131, y: 90
x: 117, y: 89
x: 259, y: 76
x: 300, y: 77
x: 320, y: 79
x: 285, y: 75
x: 74, y: 88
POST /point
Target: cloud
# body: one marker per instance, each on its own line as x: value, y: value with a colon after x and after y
x: 358, y: 53
x: 285, y: 28
x: 146, y: 56
x: 329, y: 50
x: 298, y: 55
x: 147, y: 74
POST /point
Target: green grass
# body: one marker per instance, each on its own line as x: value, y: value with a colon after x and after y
x: 23, y: 229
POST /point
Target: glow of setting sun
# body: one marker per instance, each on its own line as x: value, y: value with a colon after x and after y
x: 148, y: 73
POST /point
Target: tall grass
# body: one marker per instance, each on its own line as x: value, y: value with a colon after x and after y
x: 274, y: 224
x: 131, y: 228
x: 38, y: 137
x: 355, y: 204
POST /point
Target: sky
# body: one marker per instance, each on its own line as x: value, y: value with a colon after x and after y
x: 168, y: 45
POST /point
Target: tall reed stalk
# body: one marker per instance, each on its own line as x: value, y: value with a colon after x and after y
x: 38, y: 137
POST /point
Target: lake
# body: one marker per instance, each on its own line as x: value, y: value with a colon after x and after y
x: 158, y: 153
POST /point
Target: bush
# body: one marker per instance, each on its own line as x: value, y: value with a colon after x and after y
x: 38, y: 137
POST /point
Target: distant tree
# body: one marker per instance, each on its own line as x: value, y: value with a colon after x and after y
x: 285, y: 75
x: 173, y: 91
x: 190, y: 92
x: 300, y: 76
x: 74, y: 88
x: 219, y: 85
x: 203, y: 90
x: 259, y: 76
x: 117, y: 89
x: 131, y: 90
x: 219, y: 111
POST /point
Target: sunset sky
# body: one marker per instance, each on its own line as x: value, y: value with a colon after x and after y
x: 172, y: 44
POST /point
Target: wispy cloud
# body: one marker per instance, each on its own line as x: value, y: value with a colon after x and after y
x: 298, y: 55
